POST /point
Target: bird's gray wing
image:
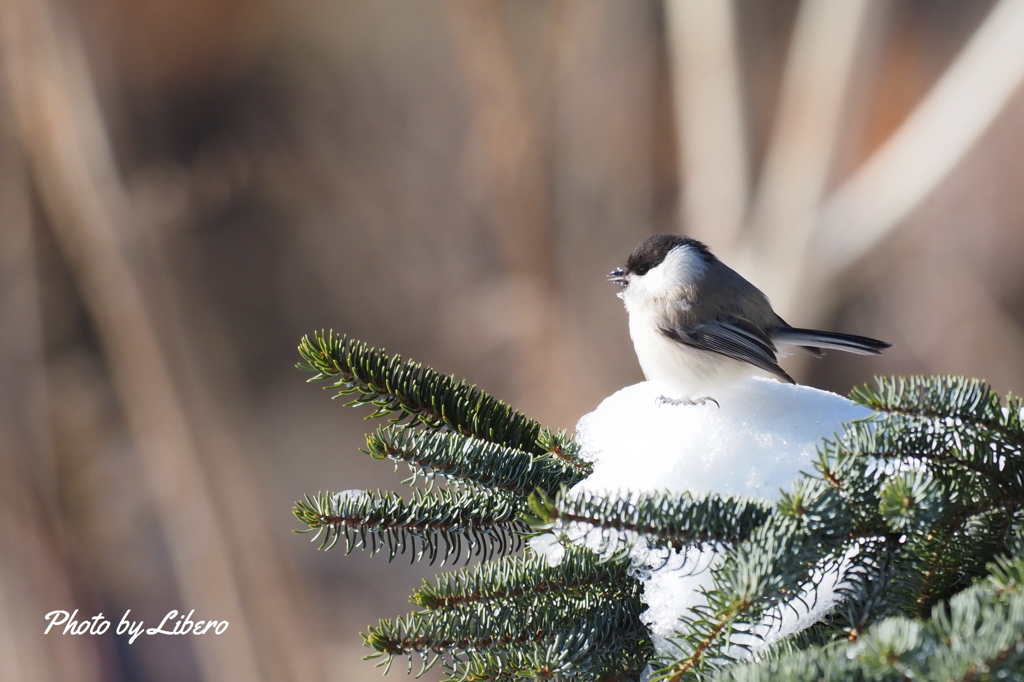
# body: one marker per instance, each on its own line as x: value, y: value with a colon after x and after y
x: 732, y: 337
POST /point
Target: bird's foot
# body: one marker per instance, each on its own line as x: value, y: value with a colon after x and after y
x: 665, y: 400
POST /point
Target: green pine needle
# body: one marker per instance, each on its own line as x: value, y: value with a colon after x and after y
x: 469, y: 637
x: 461, y: 523
x: 662, y: 519
x: 410, y: 390
x: 511, y: 577
x: 464, y: 458
x: 923, y: 504
x: 977, y: 635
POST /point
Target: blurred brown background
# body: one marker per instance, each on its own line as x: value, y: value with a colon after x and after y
x: 188, y: 187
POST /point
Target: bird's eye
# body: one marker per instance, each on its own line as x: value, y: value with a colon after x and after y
x: 640, y: 270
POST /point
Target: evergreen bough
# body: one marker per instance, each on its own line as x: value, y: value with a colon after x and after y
x: 920, y: 506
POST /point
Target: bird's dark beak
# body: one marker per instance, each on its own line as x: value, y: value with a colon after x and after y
x: 620, y: 276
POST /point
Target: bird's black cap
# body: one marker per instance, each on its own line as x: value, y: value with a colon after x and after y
x: 652, y: 251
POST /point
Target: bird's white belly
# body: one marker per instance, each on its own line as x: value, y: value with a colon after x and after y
x: 687, y: 372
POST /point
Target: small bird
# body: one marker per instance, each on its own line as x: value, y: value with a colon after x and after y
x: 697, y: 324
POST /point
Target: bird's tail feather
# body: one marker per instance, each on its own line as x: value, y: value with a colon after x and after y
x: 813, y: 341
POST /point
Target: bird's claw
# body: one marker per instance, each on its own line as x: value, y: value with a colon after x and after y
x: 665, y: 400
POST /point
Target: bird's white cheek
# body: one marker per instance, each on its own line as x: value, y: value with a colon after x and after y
x: 634, y: 296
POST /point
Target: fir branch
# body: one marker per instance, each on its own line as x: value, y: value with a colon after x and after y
x: 855, y: 477
x: 865, y: 591
x: 479, y: 625
x: 952, y: 449
x: 464, y: 458
x: 936, y: 480
x: 929, y: 590
x: 407, y: 388
x: 563, y: 658
x: 976, y: 635
x: 818, y: 510
x: 912, y: 500
x: 510, y: 578
x: 949, y: 477
x: 928, y: 491
x: 563, y: 446
x: 664, y: 520
x: 937, y: 562
x: 971, y: 401
x: 470, y: 634
x: 810, y: 530
x: 463, y: 522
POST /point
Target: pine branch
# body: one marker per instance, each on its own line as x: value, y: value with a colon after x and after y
x: 464, y: 458
x: 562, y: 445
x: 856, y: 477
x: 468, y: 636
x: 465, y: 523
x: 664, y: 520
x: 977, y: 635
x: 953, y: 450
x: 912, y: 501
x: 415, y: 392
x: 479, y: 625
x: 577, y: 620
x: 865, y: 593
x: 951, y: 479
x: 972, y: 401
x: 938, y: 474
x: 510, y: 578
x: 809, y: 530
x: 569, y: 658
x: 914, y: 504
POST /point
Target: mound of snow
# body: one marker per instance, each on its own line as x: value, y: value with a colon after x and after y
x: 754, y: 443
